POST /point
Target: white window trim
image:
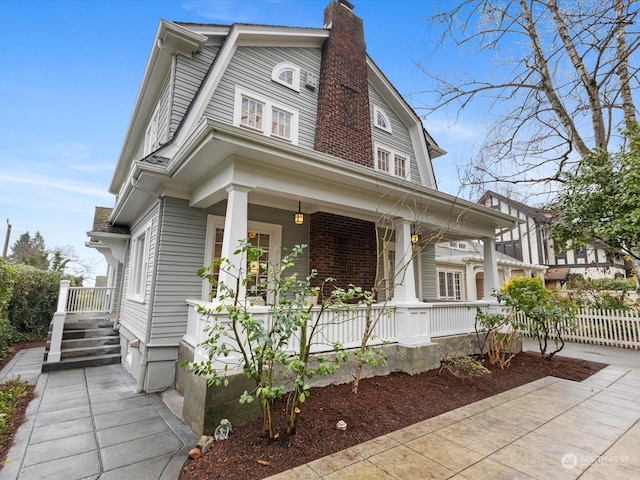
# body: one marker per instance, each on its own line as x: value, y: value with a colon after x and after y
x: 215, y: 221
x: 457, y: 245
x: 392, y: 161
x: 137, y: 288
x: 275, y: 74
x: 152, y: 134
x: 377, y: 110
x: 269, y: 105
x: 454, y: 273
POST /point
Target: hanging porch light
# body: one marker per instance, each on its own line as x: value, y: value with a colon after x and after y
x: 298, y: 218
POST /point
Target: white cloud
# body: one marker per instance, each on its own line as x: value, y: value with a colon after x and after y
x: 75, y: 151
x: 61, y: 184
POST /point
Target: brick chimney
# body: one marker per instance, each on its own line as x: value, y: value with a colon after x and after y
x: 343, y: 128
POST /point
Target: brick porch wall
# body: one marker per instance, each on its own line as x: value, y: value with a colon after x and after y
x: 343, y: 248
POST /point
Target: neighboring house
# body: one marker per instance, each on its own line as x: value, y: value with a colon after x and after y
x: 284, y: 136
x: 530, y: 242
x: 460, y: 267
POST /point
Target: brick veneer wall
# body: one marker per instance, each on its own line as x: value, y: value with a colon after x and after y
x: 343, y: 127
x: 343, y: 248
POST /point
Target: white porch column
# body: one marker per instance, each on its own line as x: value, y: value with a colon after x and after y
x: 235, y: 230
x: 470, y: 281
x: 405, y: 279
x: 491, y: 281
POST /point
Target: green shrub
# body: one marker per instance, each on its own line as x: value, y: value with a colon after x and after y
x: 8, y: 336
x: 6, y: 287
x: 601, y: 293
x: 34, y: 299
x: 547, y: 313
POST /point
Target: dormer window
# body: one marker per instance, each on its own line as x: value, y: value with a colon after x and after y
x: 287, y: 74
x: 380, y: 119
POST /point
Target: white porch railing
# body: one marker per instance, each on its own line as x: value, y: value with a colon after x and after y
x: 90, y: 300
x: 618, y: 328
x: 454, y: 318
x: 409, y: 325
x: 76, y: 300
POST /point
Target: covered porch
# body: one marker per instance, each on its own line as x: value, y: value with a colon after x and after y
x: 362, y: 226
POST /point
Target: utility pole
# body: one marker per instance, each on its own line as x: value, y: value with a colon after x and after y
x: 6, y: 241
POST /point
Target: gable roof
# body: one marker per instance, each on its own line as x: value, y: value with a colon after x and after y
x: 188, y: 38
x: 539, y: 214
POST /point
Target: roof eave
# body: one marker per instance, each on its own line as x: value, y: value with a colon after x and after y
x: 170, y: 38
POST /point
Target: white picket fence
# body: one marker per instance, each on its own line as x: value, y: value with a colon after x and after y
x: 618, y: 328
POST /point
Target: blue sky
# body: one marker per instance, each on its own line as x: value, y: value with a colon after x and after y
x: 71, y: 71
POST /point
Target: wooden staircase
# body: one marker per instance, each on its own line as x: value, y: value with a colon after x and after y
x: 85, y: 343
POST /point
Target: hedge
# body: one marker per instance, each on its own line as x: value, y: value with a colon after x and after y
x: 28, y: 297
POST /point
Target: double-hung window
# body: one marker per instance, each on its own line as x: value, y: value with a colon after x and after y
x: 139, y: 264
x: 449, y: 285
x: 392, y: 162
x: 264, y: 116
x: 400, y: 164
x: 281, y: 123
x: 252, y: 113
x: 384, y: 158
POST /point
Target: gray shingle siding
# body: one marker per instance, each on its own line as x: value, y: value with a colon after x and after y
x: 399, y: 139
x: 189, y: 74
x: 134, y: 314
x: 251, y: 68
x: 429, y: 278
x: 180, y: 255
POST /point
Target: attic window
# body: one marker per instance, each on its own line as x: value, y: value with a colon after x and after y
x: 287, y: 74
x: 391, y: 162
x: 264, y: 116
x: 380, y: 119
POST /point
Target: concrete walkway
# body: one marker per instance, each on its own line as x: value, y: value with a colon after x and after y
x: 547, y: 429
x: 89, y: 423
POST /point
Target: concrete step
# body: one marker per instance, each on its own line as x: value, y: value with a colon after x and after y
x: 75, y: 334
x: 90, y: 342
x: 87, y: 325
x: 96, y: 351
x: 82, y: 362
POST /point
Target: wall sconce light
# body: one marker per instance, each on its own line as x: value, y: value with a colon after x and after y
x: 298, y: 218
x: 252, y: 234
x: 415, y: 238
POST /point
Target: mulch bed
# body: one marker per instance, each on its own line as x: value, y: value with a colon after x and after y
x: 383, y: 405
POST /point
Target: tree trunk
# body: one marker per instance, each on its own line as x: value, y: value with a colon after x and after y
x: 363, y: 346
x: 622, y: 57
x: 589, y: 83
x: 636, y: 269
x: 547, y: 83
